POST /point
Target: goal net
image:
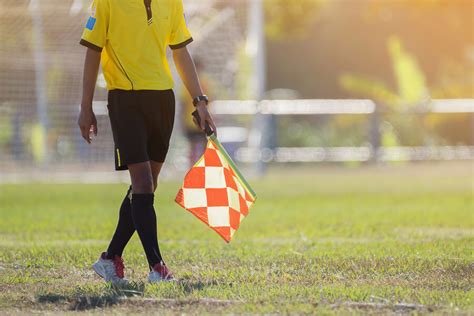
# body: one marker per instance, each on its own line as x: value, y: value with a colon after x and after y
x: 41, y: 73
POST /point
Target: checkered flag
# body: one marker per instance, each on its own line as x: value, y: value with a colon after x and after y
x: 215, y: 191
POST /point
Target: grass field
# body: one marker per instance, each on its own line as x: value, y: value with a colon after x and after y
x: 329, y: 240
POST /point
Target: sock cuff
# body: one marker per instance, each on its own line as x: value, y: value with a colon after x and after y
x: 143, y: 198
x: 129, y: 193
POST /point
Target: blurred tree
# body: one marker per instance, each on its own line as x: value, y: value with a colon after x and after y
x: 349, y: 38
x: 447, y: 30
x: 290, y: 18
x: 411, y: 83
x: 412, y: 91
x: 351, y: 35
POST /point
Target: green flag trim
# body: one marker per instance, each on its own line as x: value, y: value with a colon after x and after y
x: 240, y: 177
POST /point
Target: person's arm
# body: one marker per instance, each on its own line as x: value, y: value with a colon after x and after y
x: 87, y: 121
x: 94, y: 38
x: 187, y: 71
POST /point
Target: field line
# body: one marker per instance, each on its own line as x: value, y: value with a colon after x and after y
x: 399, y: 307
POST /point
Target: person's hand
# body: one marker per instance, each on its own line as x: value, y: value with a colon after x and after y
x: 205, y: 117
x: 88, y: 124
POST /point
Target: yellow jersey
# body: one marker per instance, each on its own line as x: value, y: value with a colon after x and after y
x: 133, y: 36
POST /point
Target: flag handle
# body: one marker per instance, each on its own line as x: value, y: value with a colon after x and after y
x: 208, y: 130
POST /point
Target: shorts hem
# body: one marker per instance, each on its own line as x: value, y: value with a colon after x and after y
x: 158, y: 160
x: 124, y: 166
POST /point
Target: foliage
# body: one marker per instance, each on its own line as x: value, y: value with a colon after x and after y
x: 410, y: 129
x: 341, y: 130
x: 411, y: 84
x: 410, y: 78
x: 290, y: 18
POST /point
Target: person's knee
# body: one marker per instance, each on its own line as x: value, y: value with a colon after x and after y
x: 142, y: 179
x: 143, y: 185
x: 155, y: 168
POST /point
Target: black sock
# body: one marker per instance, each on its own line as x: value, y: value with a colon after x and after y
x: 125, y: 229
x: 144, y: 218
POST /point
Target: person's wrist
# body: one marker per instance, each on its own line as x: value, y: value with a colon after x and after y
x: 201, y: 104
x: 86, y: 106
x: 200, y: 99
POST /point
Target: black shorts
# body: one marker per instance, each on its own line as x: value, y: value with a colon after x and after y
x: 142, y: 123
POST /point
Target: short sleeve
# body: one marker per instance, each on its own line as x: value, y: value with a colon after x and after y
x: 95, y: 31
x: 180, y: 35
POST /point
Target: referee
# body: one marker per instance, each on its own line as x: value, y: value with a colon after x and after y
x: 130, y: 39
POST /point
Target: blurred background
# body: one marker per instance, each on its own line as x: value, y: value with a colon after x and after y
x: 300, y: 82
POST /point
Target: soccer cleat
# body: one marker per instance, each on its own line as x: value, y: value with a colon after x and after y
x: 111, y: 270
x: 160, y: 273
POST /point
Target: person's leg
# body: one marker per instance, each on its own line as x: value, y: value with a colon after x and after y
x: 158, y: 112
x: 125, y: 228
x: 155, y: 170
x: 128, y: 129
x: 143, y: 211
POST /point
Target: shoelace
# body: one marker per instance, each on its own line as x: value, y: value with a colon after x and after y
x: 119, y: 266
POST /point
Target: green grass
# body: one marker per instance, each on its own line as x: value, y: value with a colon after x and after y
x: 333, y: 240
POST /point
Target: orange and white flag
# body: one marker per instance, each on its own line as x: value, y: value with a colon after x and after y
x: 215, y: 191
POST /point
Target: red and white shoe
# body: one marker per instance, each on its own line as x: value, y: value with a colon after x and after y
x: 111, y: 270
x: 160, y: 273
